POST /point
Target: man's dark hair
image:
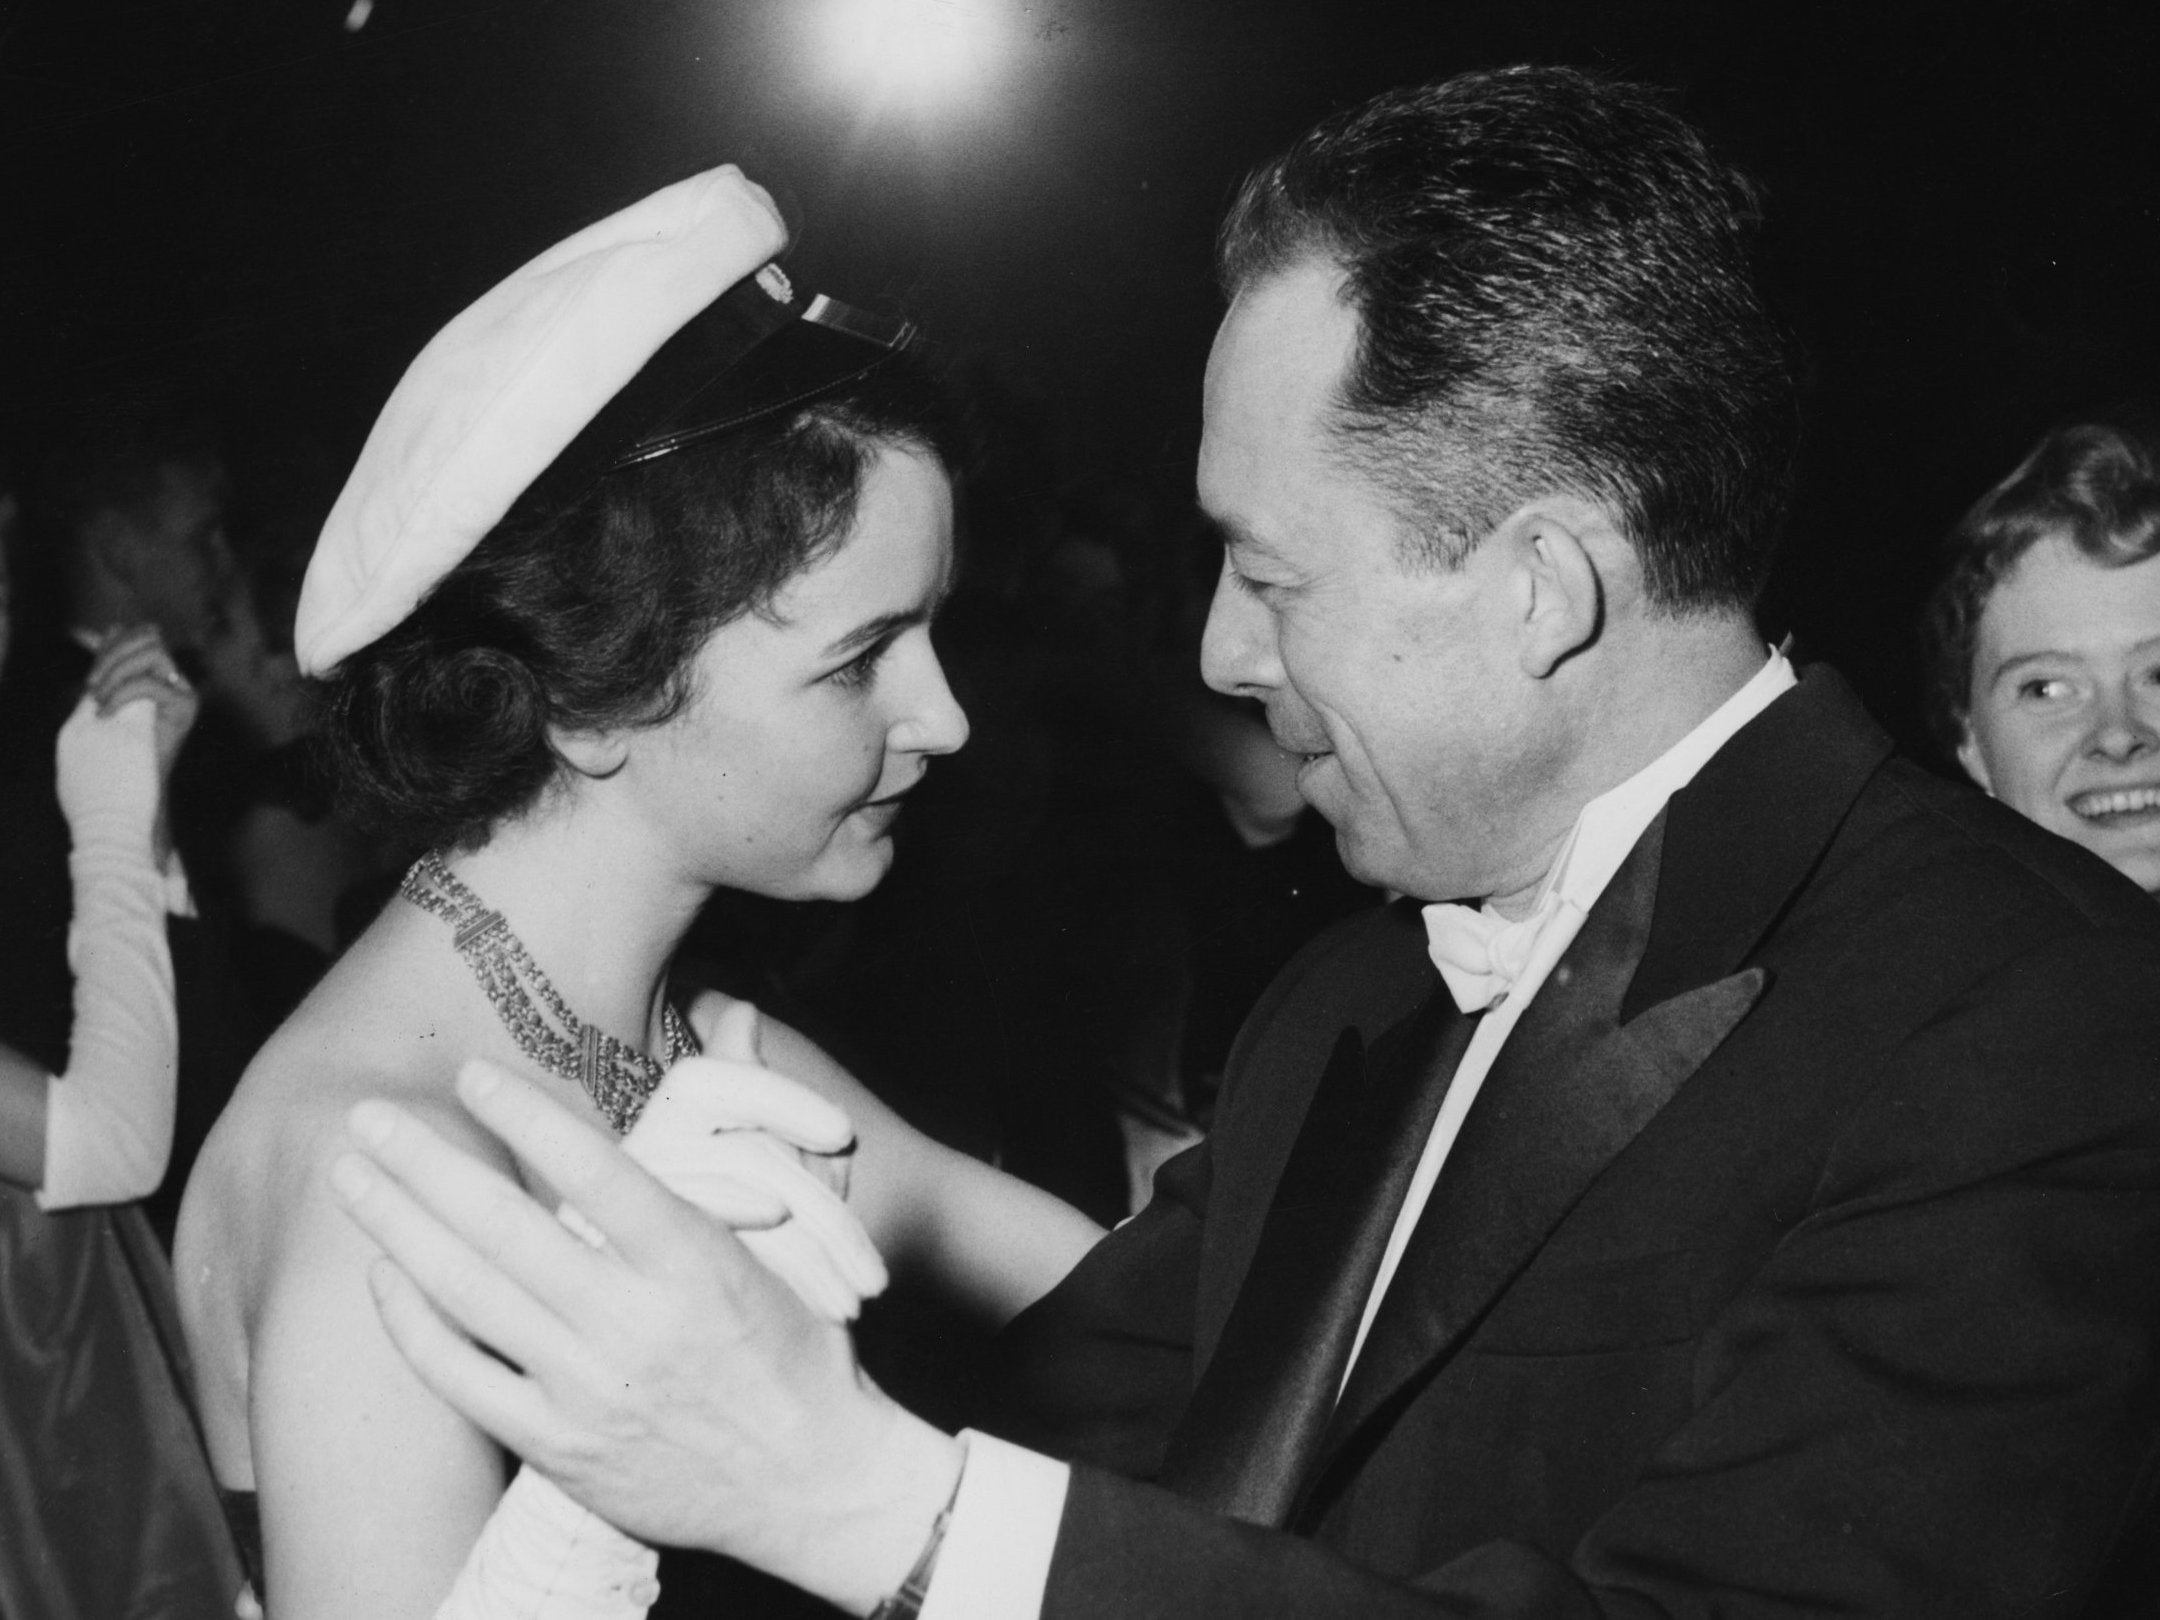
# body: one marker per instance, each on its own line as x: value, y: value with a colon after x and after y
x: 2094, y: 484
x: 588, y: 616
x: 1555, y: 286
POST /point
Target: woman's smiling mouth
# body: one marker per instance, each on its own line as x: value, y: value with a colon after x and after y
x: 2115, y: 806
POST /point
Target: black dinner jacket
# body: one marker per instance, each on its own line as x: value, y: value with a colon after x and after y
x: 1800, y: 1255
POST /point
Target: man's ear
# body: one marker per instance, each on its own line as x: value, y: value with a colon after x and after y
x: 597, y: 754
x: 1968, y: 755
x: 1567, y: 552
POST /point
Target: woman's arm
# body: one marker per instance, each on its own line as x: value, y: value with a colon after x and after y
x: 372, y: 1491
x: 988, y: 1239
x: 102, y: 1134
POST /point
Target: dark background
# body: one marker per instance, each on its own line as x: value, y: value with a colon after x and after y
x: 254, y: 205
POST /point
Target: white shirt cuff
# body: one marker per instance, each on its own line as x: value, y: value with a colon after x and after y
x: 996, y: 1558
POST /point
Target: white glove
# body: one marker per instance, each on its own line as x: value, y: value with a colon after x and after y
x: 541, y: 1556
x: 724, y: 1118
x: 109, y: 1119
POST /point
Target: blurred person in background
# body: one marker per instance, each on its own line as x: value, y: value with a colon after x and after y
x: 128, y: 520
x: 304, y: 879
x: 106, y: 1506
x: 2044, y: 642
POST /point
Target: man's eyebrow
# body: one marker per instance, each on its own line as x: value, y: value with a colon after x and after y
x: 1236, y: 536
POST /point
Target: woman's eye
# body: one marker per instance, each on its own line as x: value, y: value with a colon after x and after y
x: 860, y: 670
x: 2044, y: 689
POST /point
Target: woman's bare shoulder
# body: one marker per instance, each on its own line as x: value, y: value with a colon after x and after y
x: 258, y: 1193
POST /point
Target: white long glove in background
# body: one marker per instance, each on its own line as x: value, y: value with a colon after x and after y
x: 109, y: 1119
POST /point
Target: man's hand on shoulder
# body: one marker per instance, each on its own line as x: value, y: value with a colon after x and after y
x: 666, y: 1380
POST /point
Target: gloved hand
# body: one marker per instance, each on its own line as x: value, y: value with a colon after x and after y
x: 725, y: 1117
x: 715, y: 1119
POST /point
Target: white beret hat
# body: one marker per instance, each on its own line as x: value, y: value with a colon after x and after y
x: 499, y: 394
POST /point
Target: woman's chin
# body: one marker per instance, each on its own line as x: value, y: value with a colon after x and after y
x: 840, y: 873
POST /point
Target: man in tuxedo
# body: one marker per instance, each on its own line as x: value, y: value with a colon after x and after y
x: 1747, y: 1203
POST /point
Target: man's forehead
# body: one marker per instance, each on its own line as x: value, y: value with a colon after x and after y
x: 1273, y: 380
x: 1294, y: 328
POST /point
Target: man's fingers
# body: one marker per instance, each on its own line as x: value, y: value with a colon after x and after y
x: 643, y: 1221
x: 501, y: 1401
x: 146, y: 688
x: 132, y: 655
x: 437, y: 1211
x: 491, y: 1306
x: 124, y: 643
x: 734, y: 1203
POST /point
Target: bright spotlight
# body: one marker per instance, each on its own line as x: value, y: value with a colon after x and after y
x: 917, y: 49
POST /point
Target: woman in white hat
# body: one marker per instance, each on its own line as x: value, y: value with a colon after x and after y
x: 628, y: 598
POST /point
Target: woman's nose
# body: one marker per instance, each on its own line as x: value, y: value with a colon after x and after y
x: 2125, y: 725
x: 934, y: 722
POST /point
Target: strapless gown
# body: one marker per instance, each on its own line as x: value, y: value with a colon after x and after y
x: 107, y: 1510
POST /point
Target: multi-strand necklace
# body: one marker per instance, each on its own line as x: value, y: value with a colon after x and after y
x: 618, y: 1078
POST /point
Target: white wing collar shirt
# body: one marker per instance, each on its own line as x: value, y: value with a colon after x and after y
x: 996, y: 1558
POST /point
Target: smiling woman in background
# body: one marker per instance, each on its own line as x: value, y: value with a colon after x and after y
x: 2045, y: 643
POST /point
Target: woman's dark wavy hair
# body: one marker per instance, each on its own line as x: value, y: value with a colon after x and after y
x: 2096, y: 484
x: 587, y: 617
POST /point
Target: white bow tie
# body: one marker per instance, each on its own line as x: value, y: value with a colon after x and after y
x: 1480, y: 953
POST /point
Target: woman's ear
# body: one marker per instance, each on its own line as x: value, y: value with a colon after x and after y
x: 591, y: 753
x: 1968, y: 755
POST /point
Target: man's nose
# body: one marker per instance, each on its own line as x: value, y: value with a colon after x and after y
x: 1237, y: 649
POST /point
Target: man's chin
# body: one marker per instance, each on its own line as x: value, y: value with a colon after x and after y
x: 1369, y: 863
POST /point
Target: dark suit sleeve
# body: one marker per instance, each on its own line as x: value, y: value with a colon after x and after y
x: 1100, y: 1369
x: 1935, y: 1396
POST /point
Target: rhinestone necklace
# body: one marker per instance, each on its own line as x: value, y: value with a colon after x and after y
x: 618, y: 1078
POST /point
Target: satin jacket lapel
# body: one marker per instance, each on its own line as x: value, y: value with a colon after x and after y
x: 1261, y: 1407
x: 1570, y: 1089
x: 1742, y: 838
